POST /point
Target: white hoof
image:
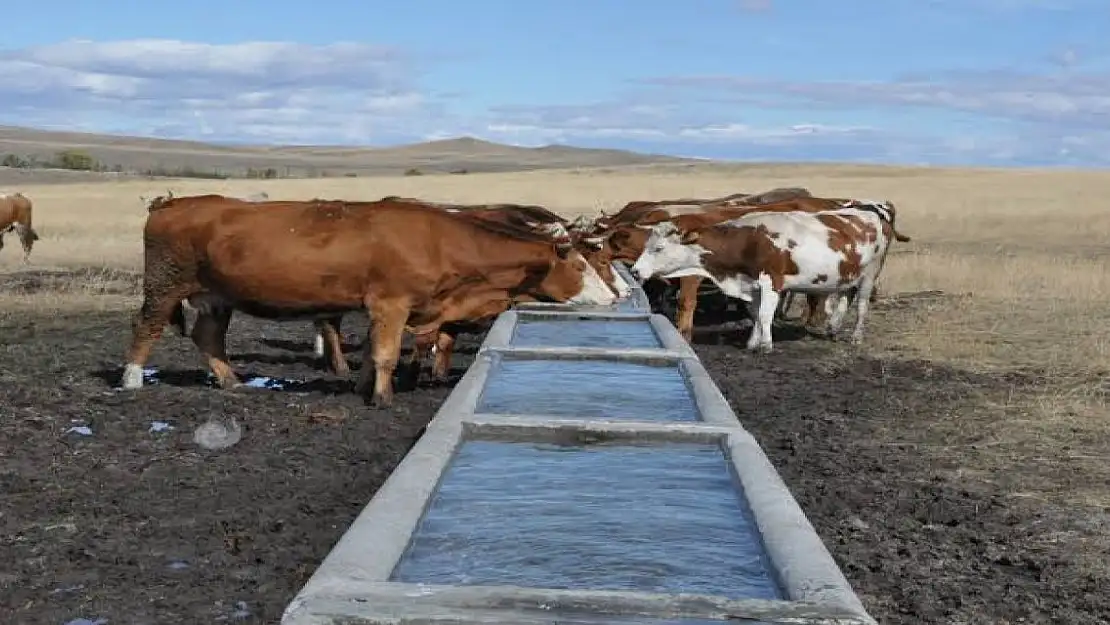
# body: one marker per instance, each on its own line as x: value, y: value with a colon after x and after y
x: 132, y: 377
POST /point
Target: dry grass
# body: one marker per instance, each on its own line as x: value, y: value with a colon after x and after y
x: 1025, y: 249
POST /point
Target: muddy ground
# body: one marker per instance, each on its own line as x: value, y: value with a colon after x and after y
x: 141, y: 527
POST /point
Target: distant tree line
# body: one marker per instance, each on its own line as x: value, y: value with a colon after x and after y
x: 79, y: 160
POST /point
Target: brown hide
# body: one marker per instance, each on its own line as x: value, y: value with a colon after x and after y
x: 635, y: 211
x: 407, y: 264
x: 16, y: 214
x: 527, y: 216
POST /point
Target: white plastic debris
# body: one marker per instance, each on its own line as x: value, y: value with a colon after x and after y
x: 160, y: 426
x: 214, y: 434
x: 83, y: 430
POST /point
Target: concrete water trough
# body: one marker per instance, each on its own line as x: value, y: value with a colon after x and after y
x: 572, y: 477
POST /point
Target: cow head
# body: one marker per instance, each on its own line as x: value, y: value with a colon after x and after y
x: 668, y: 251
x: 883, y: 208
x: 573, y: 280
x: 627, y: 240
x: 596, y: 250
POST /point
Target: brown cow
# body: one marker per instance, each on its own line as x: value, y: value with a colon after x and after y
x: 539, y: 219
x: 761, y: 255
x: 327, y: 343
x: 15, y: 214
x: 404, y: 264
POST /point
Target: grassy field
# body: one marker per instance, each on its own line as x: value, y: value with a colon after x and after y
x: 1024, y: 252
x: 1020, y: 257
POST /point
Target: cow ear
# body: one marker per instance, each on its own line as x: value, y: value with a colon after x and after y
x: 690, y: 237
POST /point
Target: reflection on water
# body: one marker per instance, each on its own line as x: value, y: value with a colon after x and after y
x: 662, y: 518
x: 588, y: 389
x: 586, y: 333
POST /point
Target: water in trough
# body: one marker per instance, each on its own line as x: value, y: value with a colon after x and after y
x: 589, y: 389
x: 660, y: 518
x: 585, y: 332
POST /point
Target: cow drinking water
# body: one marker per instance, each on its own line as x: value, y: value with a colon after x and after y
x: 758, y: 257
x: 408, y: 266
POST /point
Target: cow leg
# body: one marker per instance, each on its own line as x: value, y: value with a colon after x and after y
x: 156, y: 312
x: 863, y: 304
x: 329, y: 346
x: 445, y: 346
x: 210, y: 336
x: 836, y: 308
x: 382, y: 350
x: 785, y: 302
x: 807, y: 312
x: 421, y: 346
x: 687, y: 303
x: 768, y: 304
x: 814, y: 312
x: 753, y: 312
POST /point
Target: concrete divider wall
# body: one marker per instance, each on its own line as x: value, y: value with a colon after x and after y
x: 354, y: 584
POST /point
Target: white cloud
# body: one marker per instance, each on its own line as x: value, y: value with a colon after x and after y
x: 266, y: 91
x: 1073, y: 99
x: 275, y: 92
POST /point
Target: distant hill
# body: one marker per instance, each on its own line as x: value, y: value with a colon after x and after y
x: 23, y: 147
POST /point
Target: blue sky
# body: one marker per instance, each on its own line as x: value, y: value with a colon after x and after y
x: 994, y: 82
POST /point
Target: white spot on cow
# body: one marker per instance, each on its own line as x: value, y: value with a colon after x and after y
x: 595, y: 292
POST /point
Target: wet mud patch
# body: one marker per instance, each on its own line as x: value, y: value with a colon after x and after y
x: 112, y: 511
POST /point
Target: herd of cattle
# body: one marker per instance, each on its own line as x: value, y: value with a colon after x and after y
x: 437, y: 270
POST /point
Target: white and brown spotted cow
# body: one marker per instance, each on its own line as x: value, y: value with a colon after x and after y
x: 760, y: 256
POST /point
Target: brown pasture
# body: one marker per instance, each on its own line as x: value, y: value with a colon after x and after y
x: 1005, y: 283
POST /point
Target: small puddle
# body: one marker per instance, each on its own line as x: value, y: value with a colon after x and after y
x: 661, y: 518
x: 589, y: 389
x: 151, y: 376
x: 586, y: 332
